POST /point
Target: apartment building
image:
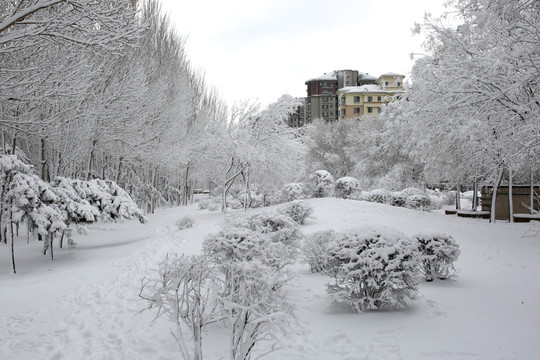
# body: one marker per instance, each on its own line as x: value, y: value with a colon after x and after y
x: 355, y: 101
x: 321, y: 100
x: 344, y: 94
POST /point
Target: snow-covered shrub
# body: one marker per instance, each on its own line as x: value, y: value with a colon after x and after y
x: 315, y: 249
x: 418, y: 201
x: 185, y: 222
x: 412, y: 191
x: 299, y: 211
x: 322, y: 183
x: 234, y: 204
x: 380, y: 196
x: 270, y: 237
x: 255, y: 200
x: 203, y: 204
x: 233, y: 243
x: 347, y: 188
x: 438, y: 253
x: 436, y: 202
x: 293, y: 191
x: 398, y: 198
x: 373, y: 269
x: 279, y: 228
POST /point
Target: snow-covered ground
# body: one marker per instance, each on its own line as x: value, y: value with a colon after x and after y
x: 85, y: 305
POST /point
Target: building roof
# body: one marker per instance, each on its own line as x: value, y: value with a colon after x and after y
x: 364, y: 88
x: 326, y: 76
x: 392, y: 74
x: 366, y: 76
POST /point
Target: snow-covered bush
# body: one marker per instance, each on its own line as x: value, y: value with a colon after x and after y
x: 436, y: 202
x: 438, y: 251
x: 418, y: 202
x: 380, y: 196
x: 373, y: 269
x: 234, y: 204
x: 321, y: 183
x: 347, y: 188
x: 203, y: 204
x: 398, y: 198
x: 270, y: 237
x: 316, y: 248
x: 255, y: 200
x: 412, y: 191
x: 185, y: 222
x: 299, y: 211
x: 293, y: 191
x: 233, y: 243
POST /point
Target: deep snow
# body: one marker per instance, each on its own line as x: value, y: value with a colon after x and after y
x: 84, y: 304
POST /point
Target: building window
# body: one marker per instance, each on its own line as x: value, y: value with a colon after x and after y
x: 370, y: 98
x: 325, y: 99
x: 342, y: 112
x: 386, y: 83
x: 370, y: 110
x: 398, y: 83
x: 379, y: 99
x: 342, y: 100
x: 357, y: 110
x: 325, y: 114
x: 325, y: 107
x: 325, y: 92
x: 357, y: 99
x: 347, y: 83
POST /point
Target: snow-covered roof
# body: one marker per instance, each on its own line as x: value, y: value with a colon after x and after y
x: 392, y: 74
x: 326, y: 76
x: 366, y: 76
x: 363, y: 88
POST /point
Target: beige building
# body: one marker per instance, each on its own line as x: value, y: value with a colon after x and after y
x: 355, y: 101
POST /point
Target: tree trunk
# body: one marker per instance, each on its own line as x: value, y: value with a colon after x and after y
x: 494, y: 195
x: 119, y: 171
x: 12, y: 246
x: 475, y: 196
x: 458, y: 197
x: 186, y: 187
x: 91, y: 160
x: 247, y: 198
x: 510, y: 197
x: 44, y: 176
x: 531, y: 198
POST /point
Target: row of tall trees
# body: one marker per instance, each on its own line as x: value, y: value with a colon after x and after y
x: 104, y: 89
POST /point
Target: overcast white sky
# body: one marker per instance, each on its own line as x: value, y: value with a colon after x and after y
x: 261, y: 49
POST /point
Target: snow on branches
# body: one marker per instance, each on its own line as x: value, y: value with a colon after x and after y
x: 51, y: 208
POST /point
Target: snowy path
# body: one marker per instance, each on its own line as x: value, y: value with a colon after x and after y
x: 85, y: 304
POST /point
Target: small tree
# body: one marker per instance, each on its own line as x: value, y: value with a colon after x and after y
x: 316, y: 249
x: 256, y: 306
x: 185, y: 293
x: 438, y: 251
